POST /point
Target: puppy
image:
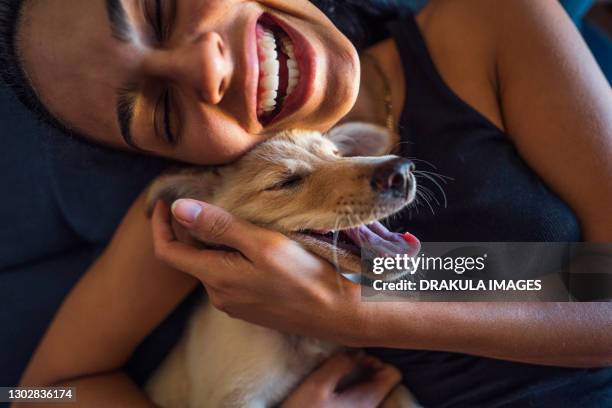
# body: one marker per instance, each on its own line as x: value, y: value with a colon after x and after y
x: 328, y: 193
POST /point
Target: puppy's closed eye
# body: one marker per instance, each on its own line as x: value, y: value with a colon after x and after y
x: 291, y: 181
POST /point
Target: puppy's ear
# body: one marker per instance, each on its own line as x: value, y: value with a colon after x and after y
x: 362, y: 139
x: 196, y: 184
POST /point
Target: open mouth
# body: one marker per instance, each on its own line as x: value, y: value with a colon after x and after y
x: 284, y: 68
x: 374, y: 237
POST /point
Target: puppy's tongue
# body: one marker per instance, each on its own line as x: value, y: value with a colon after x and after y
x: 378, y: 239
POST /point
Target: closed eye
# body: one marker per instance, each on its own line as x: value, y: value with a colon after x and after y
x: 162, y: 119
x: 290, y: 182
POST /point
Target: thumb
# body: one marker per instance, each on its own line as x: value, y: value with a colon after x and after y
x: 211, y: 224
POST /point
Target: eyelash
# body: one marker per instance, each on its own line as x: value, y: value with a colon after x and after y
x: 162, y: 111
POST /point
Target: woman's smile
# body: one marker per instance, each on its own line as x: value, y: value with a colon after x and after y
x: 287, y: 69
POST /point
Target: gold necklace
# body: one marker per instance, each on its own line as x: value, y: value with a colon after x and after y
x: 388, y: 101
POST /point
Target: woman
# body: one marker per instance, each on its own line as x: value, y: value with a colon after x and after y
x: 503, y: 97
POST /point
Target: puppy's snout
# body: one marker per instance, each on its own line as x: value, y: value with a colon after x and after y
x: 393, y: 177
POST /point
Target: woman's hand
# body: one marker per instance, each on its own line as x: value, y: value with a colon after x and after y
x: 319, y: 389
x: 269, y: 280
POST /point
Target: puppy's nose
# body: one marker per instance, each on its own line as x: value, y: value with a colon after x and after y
x: 393, y: 177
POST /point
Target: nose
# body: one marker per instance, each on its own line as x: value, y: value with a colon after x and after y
x: 203, y: 64
x: 393, y: 177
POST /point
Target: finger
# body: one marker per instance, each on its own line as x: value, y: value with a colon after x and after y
x: 203, y: 264
x: 212, y: 224
x: 328, y: 375
x: 373, y: 391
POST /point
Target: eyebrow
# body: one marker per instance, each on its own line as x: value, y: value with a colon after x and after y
x: 125, y: 96
x: 119, y: 22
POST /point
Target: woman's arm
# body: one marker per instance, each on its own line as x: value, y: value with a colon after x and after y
x: 125, y: 294
x: 561, y: 334
x: 113, y: 389
x: 277, y: 284
x: 557, y: 107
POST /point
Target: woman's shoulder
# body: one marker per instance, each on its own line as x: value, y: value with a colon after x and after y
x: 484, y: 17
x: 469, y: 41
x: 473, y: 35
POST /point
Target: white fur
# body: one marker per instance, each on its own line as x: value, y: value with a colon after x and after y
x: 225, y: 362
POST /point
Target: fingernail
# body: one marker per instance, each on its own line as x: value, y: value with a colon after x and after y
x: 186, y: 210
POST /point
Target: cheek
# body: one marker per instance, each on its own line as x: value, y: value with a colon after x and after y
x: 210, y: 137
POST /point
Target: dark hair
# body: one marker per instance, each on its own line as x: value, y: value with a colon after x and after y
x: 361, y: 21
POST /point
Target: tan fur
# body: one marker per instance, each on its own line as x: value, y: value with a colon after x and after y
x: 224, y: 362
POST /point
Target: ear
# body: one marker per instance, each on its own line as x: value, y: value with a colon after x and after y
x: 197, y: 184
x: 362, y: 139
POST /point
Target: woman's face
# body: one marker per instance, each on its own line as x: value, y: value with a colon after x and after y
x: 199, y: 81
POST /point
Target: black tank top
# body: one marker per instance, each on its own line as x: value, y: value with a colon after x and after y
x: 493, y: 196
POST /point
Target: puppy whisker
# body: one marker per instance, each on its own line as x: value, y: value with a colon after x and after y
x: 421, y: 195
x: 430, y: 164
x: 435, y: 182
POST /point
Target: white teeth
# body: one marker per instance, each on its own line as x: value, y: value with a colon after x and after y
x: 270, y: 82
x: 294, y: 72
x: 270, y: 66
x: 268, y: 43
x: 269, y: 95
